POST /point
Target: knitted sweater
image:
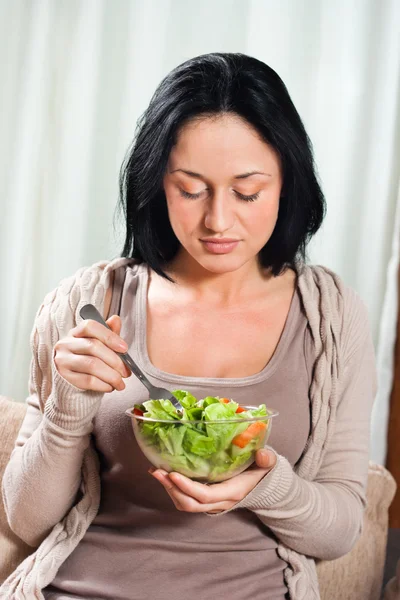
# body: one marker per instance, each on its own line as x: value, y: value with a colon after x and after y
x: 315, y: 509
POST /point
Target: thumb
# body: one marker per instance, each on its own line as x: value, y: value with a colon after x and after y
x: 265, y: 458
x: 115, y: 323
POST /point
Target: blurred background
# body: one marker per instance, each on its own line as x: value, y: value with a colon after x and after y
x: 76, y: 75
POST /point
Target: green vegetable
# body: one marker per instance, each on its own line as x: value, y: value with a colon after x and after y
x: 201, y: 450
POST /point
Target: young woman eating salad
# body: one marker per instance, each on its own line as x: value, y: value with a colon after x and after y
x: 211, y: 295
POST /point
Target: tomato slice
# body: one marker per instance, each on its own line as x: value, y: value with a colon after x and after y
x: 138, y: 412
x: 253, y: 430
x: 226, y: 401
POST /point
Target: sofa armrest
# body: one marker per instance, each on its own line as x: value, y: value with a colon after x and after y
x: 358, y: 575
x: 12, y: 549
x: 392, y: 588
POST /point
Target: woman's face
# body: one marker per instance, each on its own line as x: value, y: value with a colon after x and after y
x: 222, y: 183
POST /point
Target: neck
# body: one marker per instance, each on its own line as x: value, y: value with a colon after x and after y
x: 225, y: 289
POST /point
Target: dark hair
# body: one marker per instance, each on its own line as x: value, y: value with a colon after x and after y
x: 213, y: 84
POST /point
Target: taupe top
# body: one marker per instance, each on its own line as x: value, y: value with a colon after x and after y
x: 139, y: 546
x: 51, y: 486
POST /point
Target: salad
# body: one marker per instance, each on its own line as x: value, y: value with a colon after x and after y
x: 203, y: 450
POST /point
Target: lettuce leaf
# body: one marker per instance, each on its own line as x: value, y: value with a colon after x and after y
x: 201, y: 450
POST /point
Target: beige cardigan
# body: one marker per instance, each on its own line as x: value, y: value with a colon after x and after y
x: 315, y: 509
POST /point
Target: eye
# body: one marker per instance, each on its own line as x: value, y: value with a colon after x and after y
x: 188, y: 195
x: 251, y: 198
x: 248, y: 198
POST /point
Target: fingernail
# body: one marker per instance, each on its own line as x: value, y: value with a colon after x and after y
x: 123, y: 346
x: 265, y: 456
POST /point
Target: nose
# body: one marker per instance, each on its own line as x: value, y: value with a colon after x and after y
x: 219, y: 215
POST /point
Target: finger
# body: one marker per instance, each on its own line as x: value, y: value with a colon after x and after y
x: 94, y: 384
x: 115, y: 323
x: 265, y: 459
x: 230, y: 490
x: 167, y: 484
x: 95, y: 348
x: 195, y: 489
x: 206, y: 494
x: 92, y: 329
x: 93, y: 367
x: 187, y: 503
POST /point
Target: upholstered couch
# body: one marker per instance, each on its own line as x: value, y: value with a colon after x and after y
x: 356, y: 576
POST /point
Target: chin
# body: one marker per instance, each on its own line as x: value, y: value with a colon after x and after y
x: 221, y: 264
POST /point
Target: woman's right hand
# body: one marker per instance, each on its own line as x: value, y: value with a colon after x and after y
x: 87, y: 357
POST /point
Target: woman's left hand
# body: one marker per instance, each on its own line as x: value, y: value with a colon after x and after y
x: 192, y: 496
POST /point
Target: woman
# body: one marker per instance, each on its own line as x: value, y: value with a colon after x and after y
x: 211, y: 295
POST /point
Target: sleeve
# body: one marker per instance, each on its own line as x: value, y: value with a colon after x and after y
x: 43, y: 476
x: 323, y: 518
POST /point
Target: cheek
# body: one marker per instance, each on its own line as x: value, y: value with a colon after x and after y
x: 261, y: 221
x: 182, y: 215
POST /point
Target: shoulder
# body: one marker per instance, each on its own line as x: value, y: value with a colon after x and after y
x: 91, y: 280
x: 92, y: 283
x: 330, y: 303
x: 324, y: 289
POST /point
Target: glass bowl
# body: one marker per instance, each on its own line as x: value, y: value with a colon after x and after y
x: 223, y: 448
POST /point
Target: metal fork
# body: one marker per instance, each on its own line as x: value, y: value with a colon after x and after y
x: 90, y: 312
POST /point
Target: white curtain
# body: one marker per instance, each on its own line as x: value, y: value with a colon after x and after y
x: 75, y: 76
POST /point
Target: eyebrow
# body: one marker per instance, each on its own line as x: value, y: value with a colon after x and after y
x: 241, y: 176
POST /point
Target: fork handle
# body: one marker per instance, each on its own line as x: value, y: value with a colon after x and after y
x: 90, y: 312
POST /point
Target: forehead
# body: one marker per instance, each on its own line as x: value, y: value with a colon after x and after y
x: 221, y: 145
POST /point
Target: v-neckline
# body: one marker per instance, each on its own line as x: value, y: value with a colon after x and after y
x: 182, y: 380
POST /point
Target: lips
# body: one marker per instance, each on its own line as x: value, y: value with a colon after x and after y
x: 219, y: 240
x: 219, y: 245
